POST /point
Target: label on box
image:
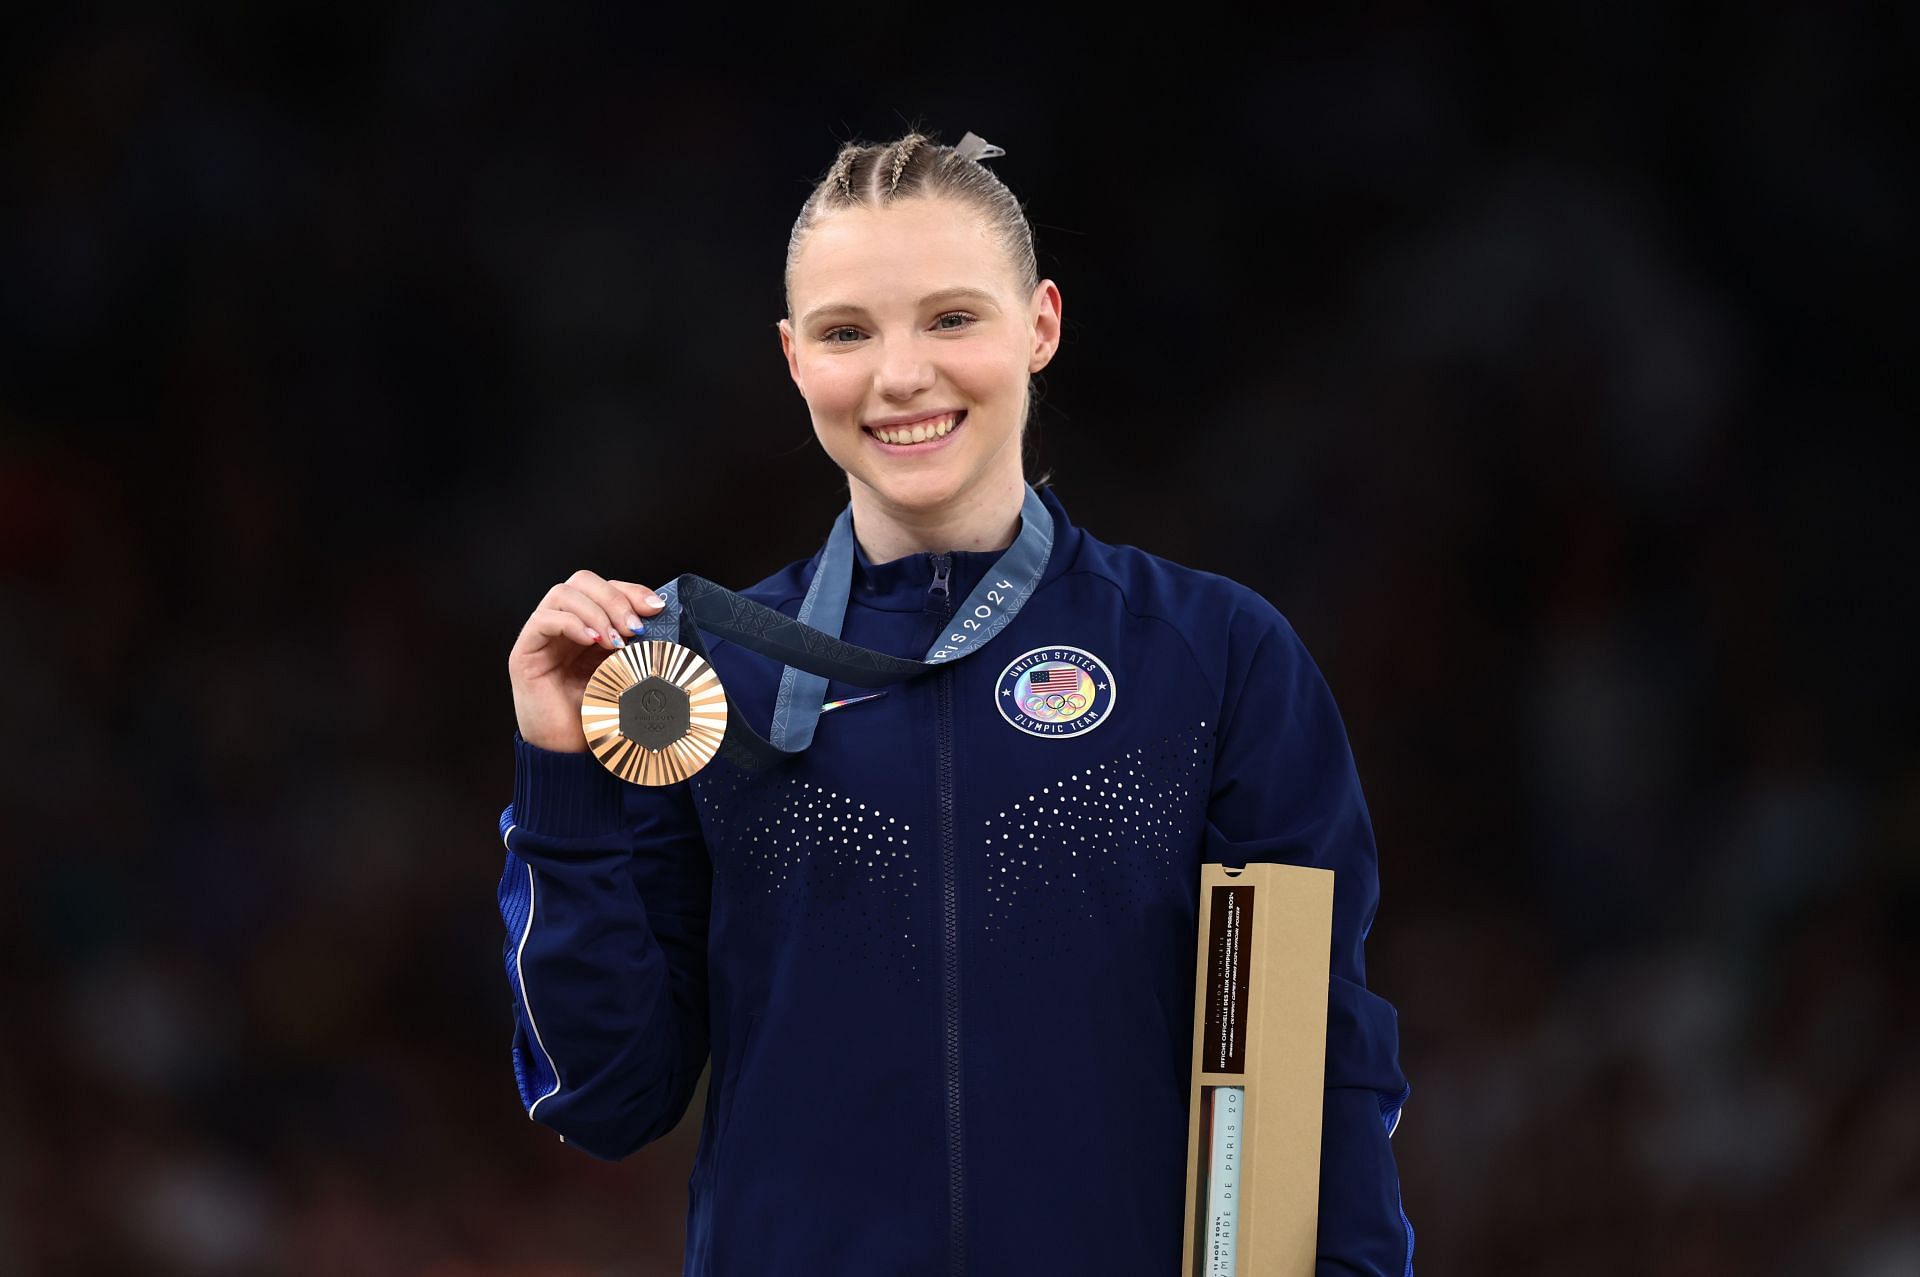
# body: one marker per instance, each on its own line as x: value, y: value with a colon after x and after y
x: 1229, y: 958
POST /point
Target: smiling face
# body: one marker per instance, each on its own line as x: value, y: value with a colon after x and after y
x: 909, y: 312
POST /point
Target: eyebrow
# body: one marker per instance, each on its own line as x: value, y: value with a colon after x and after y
x: 944, y: 294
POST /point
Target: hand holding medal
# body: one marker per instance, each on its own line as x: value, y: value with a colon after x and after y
x: 563, y: 645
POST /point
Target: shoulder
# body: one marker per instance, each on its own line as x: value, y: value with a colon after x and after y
x: 1268, y: 693
x: 1225, y: 622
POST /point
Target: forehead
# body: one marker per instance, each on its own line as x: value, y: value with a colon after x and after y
x: 908, y: 248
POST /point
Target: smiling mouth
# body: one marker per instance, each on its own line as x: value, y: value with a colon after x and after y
x: 931, y: 430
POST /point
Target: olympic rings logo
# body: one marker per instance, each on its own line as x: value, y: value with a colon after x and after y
x: 1055, y: 705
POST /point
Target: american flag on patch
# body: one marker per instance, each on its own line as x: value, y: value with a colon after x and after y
x: 1055, y: 678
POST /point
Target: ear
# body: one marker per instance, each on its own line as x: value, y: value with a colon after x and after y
x: 1043, y: 317
x: 793, y: 358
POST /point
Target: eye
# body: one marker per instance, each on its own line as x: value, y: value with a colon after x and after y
x: 832, y: 336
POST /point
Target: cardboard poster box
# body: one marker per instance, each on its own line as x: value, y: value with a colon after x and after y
x: 1259, y: 1071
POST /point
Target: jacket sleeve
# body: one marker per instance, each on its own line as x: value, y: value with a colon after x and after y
x: 605, y: 901
x: 1285, y: 789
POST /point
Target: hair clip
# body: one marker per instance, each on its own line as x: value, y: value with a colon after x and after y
x: 975, y: 147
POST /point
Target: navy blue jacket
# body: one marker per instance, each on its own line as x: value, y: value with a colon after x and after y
x: 943, y: 960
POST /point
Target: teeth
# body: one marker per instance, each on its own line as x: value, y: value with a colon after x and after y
x: 919, y: 431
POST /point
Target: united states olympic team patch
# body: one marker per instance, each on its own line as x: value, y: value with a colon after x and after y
x: 1055, y: 691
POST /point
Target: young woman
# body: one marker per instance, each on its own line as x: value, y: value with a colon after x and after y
x: 942, y: 957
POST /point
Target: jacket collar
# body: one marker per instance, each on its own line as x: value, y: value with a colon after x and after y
x: 903, y: 584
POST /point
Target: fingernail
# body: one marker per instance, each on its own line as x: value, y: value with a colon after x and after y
x: 593, y: 635
x: 655, y: 599
x: 639, y: 628
x: 634, y: 623
x: 618, y: 641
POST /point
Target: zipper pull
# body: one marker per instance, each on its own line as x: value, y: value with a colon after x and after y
x: 942, y: 567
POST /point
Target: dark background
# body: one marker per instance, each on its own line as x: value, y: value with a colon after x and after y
x: 1552, y: 373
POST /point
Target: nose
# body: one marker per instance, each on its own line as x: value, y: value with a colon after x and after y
x: 904, y: 372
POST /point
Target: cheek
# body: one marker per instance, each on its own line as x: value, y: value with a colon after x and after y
x: 989, y: 374
x: 836, y: 386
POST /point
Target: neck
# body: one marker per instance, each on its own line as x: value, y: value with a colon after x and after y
x: 986, y: 518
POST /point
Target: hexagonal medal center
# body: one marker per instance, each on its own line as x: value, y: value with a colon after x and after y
x: 653, y: 713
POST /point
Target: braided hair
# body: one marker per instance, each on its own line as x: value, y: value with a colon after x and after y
x: 874, y: 174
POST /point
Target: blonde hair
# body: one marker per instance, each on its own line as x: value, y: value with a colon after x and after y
x: 874, y: 174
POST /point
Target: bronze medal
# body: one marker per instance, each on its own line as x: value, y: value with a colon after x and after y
x: 654, y: 712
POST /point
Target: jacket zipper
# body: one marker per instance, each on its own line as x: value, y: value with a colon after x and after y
x: 940, y: 602
x: 939, y: 597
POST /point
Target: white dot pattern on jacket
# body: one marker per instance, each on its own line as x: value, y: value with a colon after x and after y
x: 842, y: 876
x: 832, y: 871
x: 1103, y: 841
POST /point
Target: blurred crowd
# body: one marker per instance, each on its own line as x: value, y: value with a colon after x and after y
x: 1541, y: 369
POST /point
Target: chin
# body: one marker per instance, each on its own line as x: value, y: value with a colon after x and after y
x: 923, y: 491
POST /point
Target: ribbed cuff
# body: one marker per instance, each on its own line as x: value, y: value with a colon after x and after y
x: 564, y: 795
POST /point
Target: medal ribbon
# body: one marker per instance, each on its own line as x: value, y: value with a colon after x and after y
x: 810, y: 647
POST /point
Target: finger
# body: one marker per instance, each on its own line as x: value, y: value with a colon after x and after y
x: 624, y: 601
x: 588, y: 608
x: 620, y: 604
x: 645, y: 602
x: 554, y: 622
